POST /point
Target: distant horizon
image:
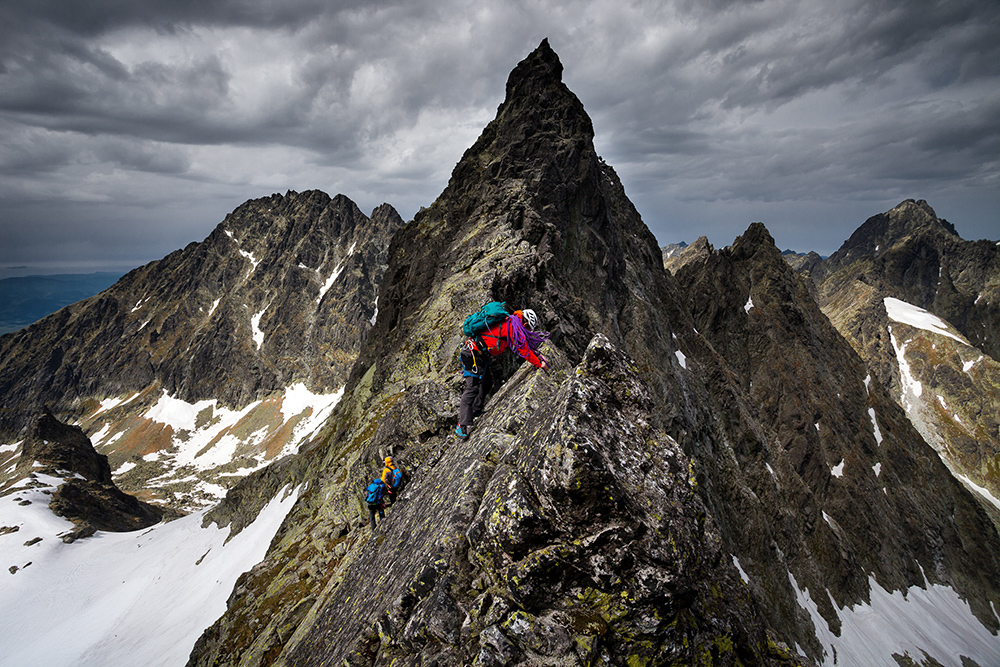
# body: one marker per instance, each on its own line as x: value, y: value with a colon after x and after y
x: 86, y: 267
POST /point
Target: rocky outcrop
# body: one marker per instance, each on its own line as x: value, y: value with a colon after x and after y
x: 87, y: 496
x: 533, y: 217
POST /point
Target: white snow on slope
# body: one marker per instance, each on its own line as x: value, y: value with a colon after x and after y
x: 114, y: 402
x: 900, y: 311
x: 967, y: 366
x: 118, y: 599
x: 932, y: 619
x: 877, y: 431
x: 179, y: 415
x: 253, y: 260
x: 258, y: 335
x: 743, y: 575
x: 190, y: 439
x: 681, y: 358
x: 838, y: 470
x: 749, y: 304
x: 984, y: 492
x: 911, y: 387
x: 329, y: 282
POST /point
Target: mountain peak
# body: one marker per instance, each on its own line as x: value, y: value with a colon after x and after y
x: 536, y: 97
x: 882, y: 231
x: 540, y: 69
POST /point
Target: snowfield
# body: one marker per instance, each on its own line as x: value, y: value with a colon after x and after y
x: 931, y: 619
x: 900, y: 311
x: 117, y: 599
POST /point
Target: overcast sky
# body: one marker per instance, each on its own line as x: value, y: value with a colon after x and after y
x: 129, y: 129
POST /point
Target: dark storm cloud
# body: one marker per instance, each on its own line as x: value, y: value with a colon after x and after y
x: 168, y: 114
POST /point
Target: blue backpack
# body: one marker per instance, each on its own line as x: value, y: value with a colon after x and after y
x: 396, y: 479
x: 489, y: 315
x: 374, y: 492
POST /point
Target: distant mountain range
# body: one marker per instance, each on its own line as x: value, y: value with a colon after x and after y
x: 30, y: 298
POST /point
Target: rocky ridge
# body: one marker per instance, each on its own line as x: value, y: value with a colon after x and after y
x: 530, y: 216
x: 672, y: 491
x: 197, y: 368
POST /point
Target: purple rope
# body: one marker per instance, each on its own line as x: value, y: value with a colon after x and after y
x: 520, y: 337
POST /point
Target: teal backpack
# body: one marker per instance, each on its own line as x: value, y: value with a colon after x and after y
x: 373, y: 494
x: 489, y: 315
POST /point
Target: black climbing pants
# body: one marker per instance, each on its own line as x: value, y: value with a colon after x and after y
x: 371, y: 513
x: 474, y: 397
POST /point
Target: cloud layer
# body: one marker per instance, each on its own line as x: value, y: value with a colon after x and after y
x: 130, y: 129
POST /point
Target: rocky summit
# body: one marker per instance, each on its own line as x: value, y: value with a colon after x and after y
x: 707, y: 472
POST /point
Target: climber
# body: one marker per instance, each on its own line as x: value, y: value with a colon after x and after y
x: 392, y: 477
x: 517, y: 332
x: 374, y: 497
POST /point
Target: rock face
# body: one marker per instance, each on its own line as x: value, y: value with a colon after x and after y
x: 281, y: 294
x: 705, y: 452
x: 825, y: 475
x: 946, y: 376
x: 88, y: 497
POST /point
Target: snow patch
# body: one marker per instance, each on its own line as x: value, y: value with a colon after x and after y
x: 297, y: 400
x: 6, y: 449
x: 749, y: 304
x: 875, y: 429
x: 682, y: 359
x: 877, y: 468
x: 375, y: 314
x: 932, y: 619
x: 175, y: 413
x: 909, y: 384
x: 984, y: 492
x: 770, y: 469
x: 123, y: 468
x: 967, y: 366
x: 215, y: 304
x: 838, y: 470
x: 743, y: 575
x: 253, y: 260
x: 329, y: 282
x: 258, y: 335
x: 900, y: 311
x: 100, y: 435
x: 113, y: 402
